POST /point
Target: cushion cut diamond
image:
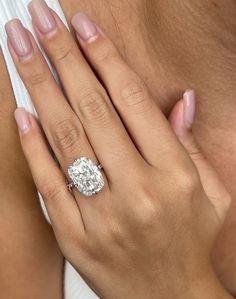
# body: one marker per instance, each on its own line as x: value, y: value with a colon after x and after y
x: 86, y: 176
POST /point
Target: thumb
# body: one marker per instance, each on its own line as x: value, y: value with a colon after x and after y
x: 181, y: 120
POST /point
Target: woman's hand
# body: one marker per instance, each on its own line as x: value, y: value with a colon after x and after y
x: 150, y: 231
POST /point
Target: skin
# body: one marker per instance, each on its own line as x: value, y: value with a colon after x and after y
x: 23, y: 228
x: 178, y: 223
x: 170, y: 66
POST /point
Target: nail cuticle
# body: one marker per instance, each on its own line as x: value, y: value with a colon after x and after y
x: 85, y: 28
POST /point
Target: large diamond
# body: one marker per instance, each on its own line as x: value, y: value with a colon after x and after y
x: 86, y: 176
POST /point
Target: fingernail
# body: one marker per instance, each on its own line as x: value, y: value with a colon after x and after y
x: 189, y: 108
x: 83, y: 25
x: 22, y: 120
x: 42, y: 16
x: 19, y: 38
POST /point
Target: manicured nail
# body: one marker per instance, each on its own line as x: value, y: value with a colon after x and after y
x: 22, y: 120
x: 42, y: 16
x: 19, y: 39
x: 189, y: 108
x: 85, y: 28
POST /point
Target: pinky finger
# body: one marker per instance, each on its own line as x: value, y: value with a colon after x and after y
x: 181, y: 120
x: 62, y: 208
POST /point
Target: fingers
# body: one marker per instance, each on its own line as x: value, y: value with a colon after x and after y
x: 181, y: 119
x: 63, y: 129
x: 146, y: 123
x: 88, y: 98
x: 62, y: 208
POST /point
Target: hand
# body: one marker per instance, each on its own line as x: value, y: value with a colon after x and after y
x: 150, y: 231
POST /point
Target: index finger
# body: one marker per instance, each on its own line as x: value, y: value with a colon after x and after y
x: 143, y: 118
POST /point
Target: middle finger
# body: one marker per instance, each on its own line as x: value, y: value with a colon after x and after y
x: 104, y: 129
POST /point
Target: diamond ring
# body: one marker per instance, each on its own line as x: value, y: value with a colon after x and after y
x: 86, y: 177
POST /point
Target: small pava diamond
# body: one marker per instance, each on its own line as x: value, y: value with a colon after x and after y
x: 86, y: 176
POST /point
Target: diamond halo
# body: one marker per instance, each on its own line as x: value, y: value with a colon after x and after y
x: 86, y: 176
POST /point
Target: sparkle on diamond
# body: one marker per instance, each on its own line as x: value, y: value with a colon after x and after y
x: 86, y: 176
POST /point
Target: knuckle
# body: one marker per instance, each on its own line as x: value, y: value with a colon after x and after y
x: 93, y: 105
x: 36, y: 78
x: 49, y: 191
x: 64, y: 52
x: 76, y: 243
x: 134, y: 93
x: 105, y: 52
x: 115, y: 236
x: 66, y: 136
x: 195, y: 152
x: 147, y: 209
x: 187, y: 181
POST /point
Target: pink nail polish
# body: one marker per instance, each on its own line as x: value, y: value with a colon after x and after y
x: 22, y: 120
x: 189, y: 108
x: 42, y: 16
x: 85, y: 28
x: 19, y: 39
